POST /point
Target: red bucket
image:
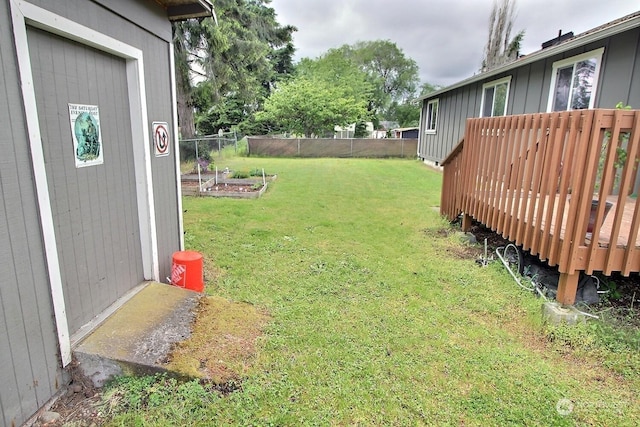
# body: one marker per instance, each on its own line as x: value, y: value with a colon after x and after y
x: 187, y: 270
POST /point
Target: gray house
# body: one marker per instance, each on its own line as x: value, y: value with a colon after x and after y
x: 90, y: 203
x: 596, y: 69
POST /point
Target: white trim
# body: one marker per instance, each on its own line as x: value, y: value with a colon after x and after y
x: 493, y: 84
x: 428, y: 130
x: 176, y: 141
x: 142, y: 161
x: 40, y: 178
x: 24, y: 13
x: 595, y: 54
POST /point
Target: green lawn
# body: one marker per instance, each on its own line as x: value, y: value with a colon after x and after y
x: 379, y: 317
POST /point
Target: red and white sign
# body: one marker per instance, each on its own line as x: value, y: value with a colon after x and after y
x: 161, y: 139
x: 178, y: 275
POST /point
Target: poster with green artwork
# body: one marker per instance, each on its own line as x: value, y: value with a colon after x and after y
x: 85, y: 132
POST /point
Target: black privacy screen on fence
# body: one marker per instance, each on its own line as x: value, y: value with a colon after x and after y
x: 320, y: 147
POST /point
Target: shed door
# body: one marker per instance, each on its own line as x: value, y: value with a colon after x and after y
x: 94, y: 208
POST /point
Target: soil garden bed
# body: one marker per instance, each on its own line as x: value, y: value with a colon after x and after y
x: 223, y: 186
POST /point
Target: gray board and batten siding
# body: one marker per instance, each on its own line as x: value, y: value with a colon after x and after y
x: 29, y: 363
x: 94, y: 210
x: 619, y: 81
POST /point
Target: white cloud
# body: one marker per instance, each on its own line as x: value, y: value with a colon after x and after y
x: 445, y: 37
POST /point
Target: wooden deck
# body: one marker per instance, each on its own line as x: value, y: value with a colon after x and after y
x: 532, y: 178
x: 606, y: 230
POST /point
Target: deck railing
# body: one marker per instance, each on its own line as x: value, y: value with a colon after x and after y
x: 533, y: 178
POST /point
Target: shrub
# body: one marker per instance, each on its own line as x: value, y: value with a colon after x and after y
x: 242, y: 174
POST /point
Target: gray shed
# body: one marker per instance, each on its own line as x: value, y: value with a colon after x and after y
x: 596, y: 69
x: 89, y: 175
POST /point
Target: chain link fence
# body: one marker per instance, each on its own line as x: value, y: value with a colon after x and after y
x: 195, y: 148
x: 330, y: 147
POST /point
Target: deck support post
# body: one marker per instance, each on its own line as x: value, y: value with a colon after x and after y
x: 466, y: 222
x: 567, y: 288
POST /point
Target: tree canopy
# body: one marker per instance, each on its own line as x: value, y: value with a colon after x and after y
x: 328, y: 91
x: 240, y: 58
x: 230, y: 70
x: 394, y: 76
x: 311, y: 106
x: 407, y: 114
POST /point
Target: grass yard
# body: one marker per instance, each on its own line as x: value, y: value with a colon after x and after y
x: 380, y: 316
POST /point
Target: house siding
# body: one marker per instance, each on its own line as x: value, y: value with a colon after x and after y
x: 147, y: 28
x: 634, y: 86
x: 619, y: 81
x: 94, y: 208
x: 30, y: 366
x: 163, y: 168
x: 619, y: 72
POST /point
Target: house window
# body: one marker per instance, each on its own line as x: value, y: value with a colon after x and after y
x: 494, y: 98
x: 432, y: 116
x: 574, y: 81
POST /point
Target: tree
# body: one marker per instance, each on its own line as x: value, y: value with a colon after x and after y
x: 241, y: 57
x: 310, y: 106
x: 407, y: 114
x: 393, y: 75
x: 427, y: 88
x: 188, y: 39
x: 340, y: 72
x: 501, y: 48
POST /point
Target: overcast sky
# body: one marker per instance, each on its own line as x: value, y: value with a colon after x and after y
x: 445, y: 37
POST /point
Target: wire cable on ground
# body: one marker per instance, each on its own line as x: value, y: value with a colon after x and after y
x: 535, y: 286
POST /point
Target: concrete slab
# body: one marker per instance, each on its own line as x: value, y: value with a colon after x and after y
x: 138, y: 337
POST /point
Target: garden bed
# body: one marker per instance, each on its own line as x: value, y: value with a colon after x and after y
x: 221, y: 185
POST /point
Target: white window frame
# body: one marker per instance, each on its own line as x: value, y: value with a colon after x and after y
x: 597, y: 55
x: 494, y: 84
x: 430, y: 128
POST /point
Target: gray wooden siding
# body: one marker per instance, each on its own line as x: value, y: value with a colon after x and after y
x: 94, y: 208
x: 158, y: 90
x: 143, y: 13
x: 634, y: 87
x: 163, y: 168
x: 421, y: 127
x: 619, y: 81
x: 621, y: 68
x: 29, y: 371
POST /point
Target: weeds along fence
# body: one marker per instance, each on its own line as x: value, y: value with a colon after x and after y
x: 330, y: 147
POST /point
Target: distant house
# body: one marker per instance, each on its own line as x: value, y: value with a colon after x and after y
x: 596, y: 69
x: 90, y: 201
x: 350, y: 130
x: 410, y: 132
x: 379, y: 134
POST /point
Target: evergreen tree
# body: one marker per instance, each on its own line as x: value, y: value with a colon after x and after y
x: 236, y: 62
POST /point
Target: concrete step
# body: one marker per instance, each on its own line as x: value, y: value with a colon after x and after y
x: 138, y: 337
